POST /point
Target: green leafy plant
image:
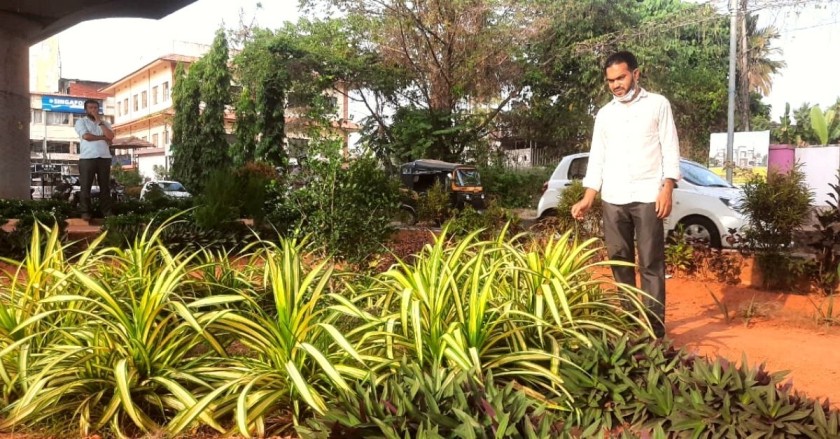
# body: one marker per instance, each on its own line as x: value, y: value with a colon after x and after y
x: 823, y: 125
x: 436, y: 404
x: 433, y: 206
x: 123, y: 354
x: 300, y: 358
x: 514, y: 188
x: 591, y: 225
x: 775, y: 207
x: 722, y: 306
x: 679, y: 253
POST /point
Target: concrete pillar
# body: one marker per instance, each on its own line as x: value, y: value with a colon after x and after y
x: 14, y: 116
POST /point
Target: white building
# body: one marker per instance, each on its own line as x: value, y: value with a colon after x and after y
x: 143, y: 101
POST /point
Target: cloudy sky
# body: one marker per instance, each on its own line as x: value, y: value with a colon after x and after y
x: 809, y: 40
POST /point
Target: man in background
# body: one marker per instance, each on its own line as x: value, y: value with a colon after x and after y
x: 95, y: 136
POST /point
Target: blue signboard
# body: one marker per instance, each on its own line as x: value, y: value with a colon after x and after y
x: 65, y: 104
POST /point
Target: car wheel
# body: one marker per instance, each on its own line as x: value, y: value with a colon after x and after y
x: 701, y: 229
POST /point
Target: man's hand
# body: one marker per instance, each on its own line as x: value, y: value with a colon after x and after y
x: 664, y: 200
x: 581, y: 208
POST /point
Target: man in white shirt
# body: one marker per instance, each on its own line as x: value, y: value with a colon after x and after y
x: 634, y: 162
x: 95, y: 135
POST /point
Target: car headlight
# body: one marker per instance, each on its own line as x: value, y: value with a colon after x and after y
x: 468, y: 197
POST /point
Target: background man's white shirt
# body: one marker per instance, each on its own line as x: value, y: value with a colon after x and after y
x: 92, y: 149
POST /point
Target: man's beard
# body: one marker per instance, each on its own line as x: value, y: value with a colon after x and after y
x: 628, y: 95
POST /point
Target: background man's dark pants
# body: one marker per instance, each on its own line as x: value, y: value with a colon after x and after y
x: 101, y: 169
x: 621, y: 224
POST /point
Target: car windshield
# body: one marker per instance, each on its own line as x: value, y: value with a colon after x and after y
x: 700, y: 176
x: 172, y: 186
x: 467, y: 177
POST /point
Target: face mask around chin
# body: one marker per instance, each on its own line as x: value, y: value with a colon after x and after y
x: 627, y: 97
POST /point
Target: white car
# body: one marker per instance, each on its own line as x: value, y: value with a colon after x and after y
x: 171, y: 189
x: 703, y: 201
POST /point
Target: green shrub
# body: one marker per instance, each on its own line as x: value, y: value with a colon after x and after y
x: 126, y: 177
x: 492, y: 220
x: 775, y: 207
x: 220, y: 201
x: 434, y: 206
x: 562, y: 220
x: 435, y: 404
x: 17, y: 242
x: 347, y: 212
x: 514, y: 188
x: 631, y: 382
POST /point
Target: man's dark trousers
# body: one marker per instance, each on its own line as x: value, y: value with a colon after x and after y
x: 101, y: 169
x: 621, y: 224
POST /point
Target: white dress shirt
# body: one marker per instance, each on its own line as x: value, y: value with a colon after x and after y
x: 92, y: 149
x: 634, y: 149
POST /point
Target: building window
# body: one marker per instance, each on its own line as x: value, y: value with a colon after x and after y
x: 155, y: 139
x: 56, y: 118
x: 165, y: 136
x: 37, y: 146
x: 125, y: 106
x: 155, y: 95
x: 166, y: 91
x: 145, y: 99
x: 37, y: 116
x: 136, y: 103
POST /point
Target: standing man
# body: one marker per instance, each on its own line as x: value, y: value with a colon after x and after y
x: 634, y: 162
x: 95, y: 137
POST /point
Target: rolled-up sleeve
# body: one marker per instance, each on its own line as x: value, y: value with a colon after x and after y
x: 669, y: 141
x: 81, y: 129
x: 597, y: 153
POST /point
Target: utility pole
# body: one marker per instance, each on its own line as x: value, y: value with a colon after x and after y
x: 744, y: 67
x: 730, y: 117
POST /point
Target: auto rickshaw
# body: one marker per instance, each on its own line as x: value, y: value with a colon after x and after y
x: 462, y: 182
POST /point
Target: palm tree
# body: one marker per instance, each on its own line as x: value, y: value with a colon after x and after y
x: 761, y: 67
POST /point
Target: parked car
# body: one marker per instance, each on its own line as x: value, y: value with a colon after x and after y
x: 171, y: 189
x: 703, y: 202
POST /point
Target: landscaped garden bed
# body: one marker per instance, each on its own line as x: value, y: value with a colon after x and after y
x: 504, y: 335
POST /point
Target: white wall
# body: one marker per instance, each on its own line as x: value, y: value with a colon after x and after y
x: 151, y: 81
x: 146, y: 164
x: 820, y: 165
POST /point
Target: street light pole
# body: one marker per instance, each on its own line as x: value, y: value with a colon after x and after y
x: 730, y: 117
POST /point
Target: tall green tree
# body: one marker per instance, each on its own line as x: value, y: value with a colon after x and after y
x: 682, y: 51
x: 186, y: 140
x: 200, y: 97
x: 456, y: 60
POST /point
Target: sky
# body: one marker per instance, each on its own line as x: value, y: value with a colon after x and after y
x: 809, y: 40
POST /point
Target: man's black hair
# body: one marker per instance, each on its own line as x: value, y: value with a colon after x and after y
x: 91, y: 101
x: 623, y: 57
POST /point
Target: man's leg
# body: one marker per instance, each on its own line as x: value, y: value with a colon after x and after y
x: 650, y: 234
x: 618, y: 236
x: 87, y: 169
x: 103, y: 175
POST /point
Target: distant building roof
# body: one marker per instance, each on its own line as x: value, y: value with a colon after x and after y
x: 87, y: 91
x: 166, y: 58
